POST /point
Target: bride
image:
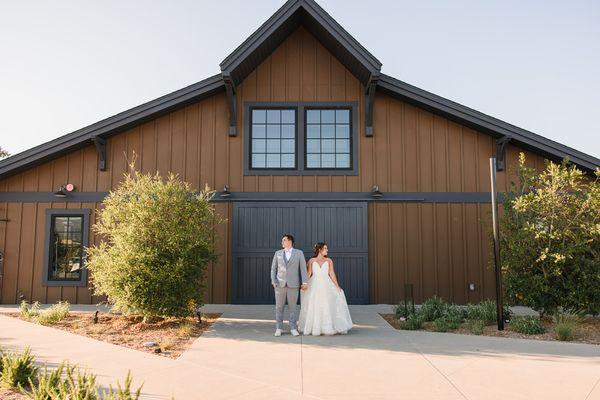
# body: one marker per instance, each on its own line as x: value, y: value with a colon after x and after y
x: 323, y: 305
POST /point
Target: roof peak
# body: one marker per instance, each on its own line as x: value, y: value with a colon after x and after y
x: 262, y: 42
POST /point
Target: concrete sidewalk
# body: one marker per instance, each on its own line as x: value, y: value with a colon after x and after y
x: 239, y: 358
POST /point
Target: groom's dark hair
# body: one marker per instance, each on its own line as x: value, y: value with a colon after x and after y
x: 289, y: 237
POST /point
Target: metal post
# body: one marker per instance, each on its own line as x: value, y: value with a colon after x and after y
x: 499, y: 290
x: 408, y: 294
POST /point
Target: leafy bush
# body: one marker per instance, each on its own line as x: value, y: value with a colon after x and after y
x: 476, y: 326
x: 403, y: 310
x: 433, y: 308
x: 550, y: 225
x: 159, y: 240
x: 484, y: 311
x: 528, y: 325
x: 17, y: 369
x: 54, y: 314
x: 413, y: 322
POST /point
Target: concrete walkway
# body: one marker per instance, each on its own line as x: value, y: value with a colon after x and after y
x: 240, y: 358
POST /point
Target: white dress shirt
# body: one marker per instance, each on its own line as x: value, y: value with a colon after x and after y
x: 288, y: 253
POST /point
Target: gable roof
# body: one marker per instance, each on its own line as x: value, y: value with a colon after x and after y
x: 254, y: 50
x: 112, y: 125
x: 484, y: 123
x: 247, y: 56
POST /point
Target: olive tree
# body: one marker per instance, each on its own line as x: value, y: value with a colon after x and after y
x: 550, y: 239
x: 158, y: 238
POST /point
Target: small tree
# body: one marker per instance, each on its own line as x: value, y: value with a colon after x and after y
x: 4, y: 153
x: 550, y: 238
x: 159, y: 237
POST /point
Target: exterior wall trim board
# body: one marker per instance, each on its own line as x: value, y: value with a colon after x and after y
x: 408, y: 197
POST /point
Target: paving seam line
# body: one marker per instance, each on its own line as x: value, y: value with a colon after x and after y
x: 592, y: 389
x: 436, y: 368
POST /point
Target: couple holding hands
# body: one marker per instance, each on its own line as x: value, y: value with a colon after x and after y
x: 323, y: 306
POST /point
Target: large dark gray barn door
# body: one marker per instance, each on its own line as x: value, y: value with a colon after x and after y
x: 257, y: 231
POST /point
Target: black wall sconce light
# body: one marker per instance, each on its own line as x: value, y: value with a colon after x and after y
x: 376, y: 193
x: 64, y: 190
x: 61, y: 192
x: 225, y: 192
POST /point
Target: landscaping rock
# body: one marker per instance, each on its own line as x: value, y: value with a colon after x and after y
x: 150, y: 344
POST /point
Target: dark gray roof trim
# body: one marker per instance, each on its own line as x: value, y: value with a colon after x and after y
x: 484, y: 122
x: 255, y: 49
x: 243, y: 60
x: 111, y: 125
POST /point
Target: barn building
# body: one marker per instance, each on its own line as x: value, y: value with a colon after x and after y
x: 299, y: 132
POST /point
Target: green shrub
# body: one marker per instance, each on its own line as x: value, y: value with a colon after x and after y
x: 70, y: 382
x: 54, y: 314
x: 453, y: 316
x: 45, y: 387
x: 403, y: 310
x: 476, y: 326
x: 123, y: 393
x: 484, y: 311
x: 160, y: 238
x: 441, y: 325
x: 566, y: 324
x: 29, y: 311
x: 24, y: 309
x: 17, y: 369
x: 413, y: 322
x: 77, y: 385
x: 433, y: 308
x: 550, y: 225
x: 528, y: 325
x: 564, y: 332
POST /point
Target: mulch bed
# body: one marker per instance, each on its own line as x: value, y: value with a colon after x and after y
x: 588, y: 332
x: 171, y: 335
x: 9, y: 394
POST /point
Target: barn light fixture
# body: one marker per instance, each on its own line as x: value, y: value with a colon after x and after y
x: 376, y: 193
x: 225, y: 192
x: 64, y: 190
x: 61, y: 192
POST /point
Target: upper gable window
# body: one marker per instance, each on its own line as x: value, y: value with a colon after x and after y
x: 273, y: 138
x: 317, y: 138
x: 328, y: 138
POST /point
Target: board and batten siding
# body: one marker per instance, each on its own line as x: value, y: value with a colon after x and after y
x: 439, y: 248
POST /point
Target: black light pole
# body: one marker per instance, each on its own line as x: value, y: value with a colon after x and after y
x: 499, y: 291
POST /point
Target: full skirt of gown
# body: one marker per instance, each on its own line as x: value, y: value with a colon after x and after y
x: 324, y: 310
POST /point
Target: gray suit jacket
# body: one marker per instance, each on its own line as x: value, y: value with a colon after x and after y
x: 292, y: 272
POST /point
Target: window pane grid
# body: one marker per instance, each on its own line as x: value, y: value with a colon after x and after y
x: 273, y: 138
x: 66, y: 248
x: 328, y: 138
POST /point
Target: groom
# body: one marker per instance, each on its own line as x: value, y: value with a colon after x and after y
x: 286, y: 269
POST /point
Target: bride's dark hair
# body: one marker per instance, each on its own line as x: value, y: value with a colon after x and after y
x: 317, y: 248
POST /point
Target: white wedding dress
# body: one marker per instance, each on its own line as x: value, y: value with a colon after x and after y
x: 324, y: 310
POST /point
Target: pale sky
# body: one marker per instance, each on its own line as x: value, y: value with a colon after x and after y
x: 67, y: 64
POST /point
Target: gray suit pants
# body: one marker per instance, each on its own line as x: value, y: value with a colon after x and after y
x: 281, y: 294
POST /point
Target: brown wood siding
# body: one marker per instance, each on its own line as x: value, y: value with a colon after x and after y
x: 439, y: 248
